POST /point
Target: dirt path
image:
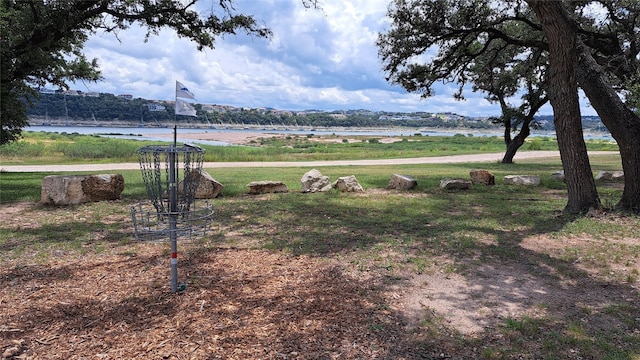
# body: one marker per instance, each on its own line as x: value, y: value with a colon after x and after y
x: 490, y: 157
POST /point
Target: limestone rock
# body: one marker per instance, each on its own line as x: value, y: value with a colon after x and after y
x: 76, y: 189
x: 103, y: 187
x: 264, y: 187
x: 527, y: 180
x: 208, y: 187
x: 610, y: 175
x: 347, y: 184
x: 314, y: 181
x: 402, y: 182
x: 482, y: 177
x: 558, y: 175
x: 455, y: 184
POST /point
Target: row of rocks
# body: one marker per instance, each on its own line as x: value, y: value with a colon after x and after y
x: 312, y: 181
x: 76, y: 189
x: 603, y: 175
x: 484, y: 177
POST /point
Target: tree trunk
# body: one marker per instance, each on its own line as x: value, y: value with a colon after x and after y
x: 563, y: 95
x: 516, y: 143
x: 623, y: 124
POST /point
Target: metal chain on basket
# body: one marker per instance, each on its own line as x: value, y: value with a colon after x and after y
x: 155, y: 167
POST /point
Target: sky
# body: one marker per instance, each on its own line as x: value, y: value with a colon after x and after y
x: 322, y: 59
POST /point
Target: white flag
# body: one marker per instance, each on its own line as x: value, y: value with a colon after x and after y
x: 184, y: 108
x: 183, y: 92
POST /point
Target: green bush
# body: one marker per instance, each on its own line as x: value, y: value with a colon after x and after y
x: 535, y: 144
x: 98, y: 148
x: 23, y: 149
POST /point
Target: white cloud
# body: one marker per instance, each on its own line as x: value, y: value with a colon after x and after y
x: 317, y: 59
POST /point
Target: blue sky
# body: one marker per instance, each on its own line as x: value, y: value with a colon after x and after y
x: 317, y: 59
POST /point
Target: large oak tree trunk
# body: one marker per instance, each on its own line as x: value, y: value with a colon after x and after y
x: 623, y: 124
x: 563, y: 95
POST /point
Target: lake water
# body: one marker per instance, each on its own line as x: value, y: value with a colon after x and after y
x: 147, y: 133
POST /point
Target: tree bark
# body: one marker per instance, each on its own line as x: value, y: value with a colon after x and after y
x: 563, y: 95
x: 514, y: 144
x: 622, y: 123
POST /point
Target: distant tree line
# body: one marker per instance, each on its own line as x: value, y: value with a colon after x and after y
x: 106, y: 107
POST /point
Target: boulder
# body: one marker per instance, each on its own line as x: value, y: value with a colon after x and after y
x: 610, y: 175
x: 527, y: 180
x: 455, y: 184
x: 208, y: 187
x: 76, y: 189
x: 347, y: 184
x: 402, y: 182
x: 264, y: 187
x: 482, y: 177
x: 558, y: 175
x: 314, y: 181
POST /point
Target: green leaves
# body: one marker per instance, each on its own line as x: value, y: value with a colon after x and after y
x: 42, y: 41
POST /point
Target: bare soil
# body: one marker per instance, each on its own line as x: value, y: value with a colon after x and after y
x: 248, y: 137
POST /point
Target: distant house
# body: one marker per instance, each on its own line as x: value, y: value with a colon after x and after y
x: 282, y: 112
x: 156, y: 107
x: 215, y: 108
x: 125, y: 96
x: 92, y: 94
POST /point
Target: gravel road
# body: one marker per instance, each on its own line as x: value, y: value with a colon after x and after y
x: 472, y: 158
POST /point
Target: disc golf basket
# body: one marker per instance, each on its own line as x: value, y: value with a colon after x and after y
x: 171, y: 174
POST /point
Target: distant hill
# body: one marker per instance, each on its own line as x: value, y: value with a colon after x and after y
x: 77, y: 108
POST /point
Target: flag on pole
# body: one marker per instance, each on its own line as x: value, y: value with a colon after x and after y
x: 183, y: 92
x: 184, y: 108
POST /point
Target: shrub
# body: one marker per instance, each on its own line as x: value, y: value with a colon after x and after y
x: 535, y: 144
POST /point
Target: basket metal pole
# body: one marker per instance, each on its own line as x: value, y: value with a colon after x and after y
x: 173, y: 213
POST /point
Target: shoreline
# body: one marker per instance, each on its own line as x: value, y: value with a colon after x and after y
x: 246, y: 134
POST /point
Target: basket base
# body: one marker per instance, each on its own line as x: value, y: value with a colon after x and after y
x: 150, y: 225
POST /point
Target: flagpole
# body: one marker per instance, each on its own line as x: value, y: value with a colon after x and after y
x: 173, y: 203
x: 181, y: 108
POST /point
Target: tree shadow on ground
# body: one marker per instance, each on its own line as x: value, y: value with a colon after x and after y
x: 306, y: 298
x: 517, y: 299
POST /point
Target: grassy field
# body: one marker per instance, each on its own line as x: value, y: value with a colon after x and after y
x: 495, y: 272
x: 46, y: 148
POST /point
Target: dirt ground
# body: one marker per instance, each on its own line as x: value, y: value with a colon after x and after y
x: 238, y: 304
x: 114, y: 302
x: 247, y: 137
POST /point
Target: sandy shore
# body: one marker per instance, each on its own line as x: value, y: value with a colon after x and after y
x: 236, y: 138
x: 247, y: 137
